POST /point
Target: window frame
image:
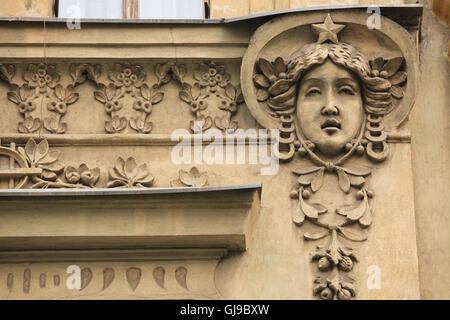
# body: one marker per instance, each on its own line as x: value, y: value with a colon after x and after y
x: 133, y: 6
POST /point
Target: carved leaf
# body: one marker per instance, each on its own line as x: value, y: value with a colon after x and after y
x: 392, y: 65
x: 158, y: 275
x: 86, y: 277
x: 352, y: 234
x: 298, y: 217
x: 279, y: 65
x: 397, y: 92
x: 157, y: 97
x: 262, y: 95
x: 398, y: 78
x: 133, y: 277
x: 279, y: 87
x: 320, y: 208
x: 315, y: 236
x: 344, y: 181
x: 357, y: 181
x: 185, y: 96
x: 133, y: 124
x: 266, y: 68
x: 261, y: 81
x: 317, y: 181
x: 141, y: 172
x: 195, y: 91
x: 108, y: 277
x: 305, y: 170
x: 366, y: 220
x: 343, y: 210
x: 356, y: 213
x: 377, y: 63
x: 308, y: 210
x: 285, y: 97
x: 304, y: 180
x: 358, y: 171
x: 230, y: 91
x: 13, y: 97
x: 100, y: 96
x: 180, y: 276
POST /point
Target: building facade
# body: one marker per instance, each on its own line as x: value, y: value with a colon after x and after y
x: 273, y: 150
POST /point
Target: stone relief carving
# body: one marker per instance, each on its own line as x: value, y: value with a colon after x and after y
x: 127, y: 174
x: 191, y: 178
x: 38, y: 164
x: 212, y: 80
x: 212, y: 97
x: 133, y: 276
x: 329, y: 101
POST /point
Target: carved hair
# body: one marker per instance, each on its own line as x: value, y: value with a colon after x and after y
x: 375, y: 90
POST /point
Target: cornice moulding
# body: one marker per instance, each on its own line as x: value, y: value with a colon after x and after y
x: 152, y: 39
x: 163, y: 222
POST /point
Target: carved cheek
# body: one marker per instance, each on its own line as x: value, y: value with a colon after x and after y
x: 308, y: 113
x: 351, y: 113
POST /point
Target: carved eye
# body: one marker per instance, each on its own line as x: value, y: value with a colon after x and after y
x: 346, y: 90
x: 313, y: 92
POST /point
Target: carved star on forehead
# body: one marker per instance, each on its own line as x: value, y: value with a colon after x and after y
x: 327, y: 30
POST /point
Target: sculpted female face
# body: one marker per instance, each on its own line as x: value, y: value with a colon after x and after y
x: 329, y: 107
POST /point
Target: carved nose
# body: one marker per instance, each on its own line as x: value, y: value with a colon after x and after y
x: 330, y: 110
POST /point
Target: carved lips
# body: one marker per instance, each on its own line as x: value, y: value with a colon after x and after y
x: 331, y: 125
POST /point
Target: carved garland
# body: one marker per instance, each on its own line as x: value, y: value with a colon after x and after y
x: 42, y: 83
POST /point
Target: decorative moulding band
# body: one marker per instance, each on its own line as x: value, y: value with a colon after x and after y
x: 105, y: 219
x: 151, y: 39
x: 142, y: 140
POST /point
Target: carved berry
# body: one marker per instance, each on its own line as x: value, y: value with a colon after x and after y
x: 294, y: 194
x: 346, y: 264
x: 359, y: 195
x: 348, y: 146
x: 306, y: 194
x: 344, y: 294
x: 324, y: 264
x: 302, y: 151
x: 360, y: 150
x: 326, y: 294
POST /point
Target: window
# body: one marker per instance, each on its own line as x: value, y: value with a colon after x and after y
x: 136, y: 9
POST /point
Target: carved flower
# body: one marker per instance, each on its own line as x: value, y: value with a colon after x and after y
x: 39, y: 156
x: 116, y: 124
x: 191, y: 178
x: 195, y: 96
x: 388, y: 69
x: 82, y: 175
x: 211, y: 75
x: 150, y: 96
x: 41, y: 75
x: 23, y: 96
x: 127, y: 75
x: 29, y: 125
x: 334, y: 255
x: 336, y: 288
x: 127, y: 174
x: 109, y: 96
x: 61, y: 98
x: 271, y: 80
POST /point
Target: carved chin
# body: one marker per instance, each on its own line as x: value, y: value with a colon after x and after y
x: 331, y: 146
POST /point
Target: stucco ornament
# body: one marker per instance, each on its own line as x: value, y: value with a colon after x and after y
x: 329, y: 102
